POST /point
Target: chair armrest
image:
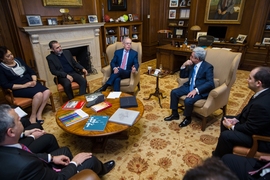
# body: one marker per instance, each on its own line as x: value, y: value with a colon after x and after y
x: 43, y: 82
x: 181, y: 81
x: 86, y: 174
x: 218, y: 90
x: 254, y: 147
x: 106, y: 71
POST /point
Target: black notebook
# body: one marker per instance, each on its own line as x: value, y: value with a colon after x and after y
x: 129, y: 101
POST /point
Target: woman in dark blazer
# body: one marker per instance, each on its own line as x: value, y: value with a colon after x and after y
x: 16, y: 75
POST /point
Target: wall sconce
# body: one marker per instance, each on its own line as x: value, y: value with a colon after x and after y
x: 195, y: 29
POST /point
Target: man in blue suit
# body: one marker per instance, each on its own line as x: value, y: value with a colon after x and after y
x: 200, y: 83
x: 124, y: 62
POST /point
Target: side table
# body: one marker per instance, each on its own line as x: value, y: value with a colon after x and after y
x: 157, y: 93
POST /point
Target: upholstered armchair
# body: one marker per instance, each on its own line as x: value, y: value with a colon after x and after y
x: 253, y: 151
x: 127, y: 85
x: 225, y: 66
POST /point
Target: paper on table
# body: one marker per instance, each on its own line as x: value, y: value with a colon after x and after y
x: 20, y: 112
x: 114, y: 95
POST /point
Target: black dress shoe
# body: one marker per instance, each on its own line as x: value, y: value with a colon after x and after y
x: 185, y: 122
x: 171, y: 117
x: 102, y: 88
x: 109, y: 166
x: 40, y: 121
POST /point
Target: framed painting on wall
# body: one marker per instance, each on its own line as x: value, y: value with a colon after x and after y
x: 224, y: 11
x: 117, y: 5
x: 69, y: 3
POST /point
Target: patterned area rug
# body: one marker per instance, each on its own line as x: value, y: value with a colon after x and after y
x: 155, y: 149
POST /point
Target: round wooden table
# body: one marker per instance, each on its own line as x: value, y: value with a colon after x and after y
x: 112, y: 130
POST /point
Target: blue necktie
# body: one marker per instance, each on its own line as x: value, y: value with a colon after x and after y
x: 191, y: 87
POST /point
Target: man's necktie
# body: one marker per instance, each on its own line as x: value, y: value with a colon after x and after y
x: 254, y: 172
x: 191, y: 87
x: 124, y: 62
x: 224, y: 4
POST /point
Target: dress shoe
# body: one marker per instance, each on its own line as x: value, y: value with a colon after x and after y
x: 171, y: 117
x: 40, y: 121
x: 185, y: 122
x: 109, y: 166
x: 102, y: 88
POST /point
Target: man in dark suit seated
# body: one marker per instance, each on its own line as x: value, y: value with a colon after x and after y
x: 248, y: 168
x: 200, y: 83
x: 124, y: 62
x: 19, y: 163
x: 63, y: 65
x: 254, y: 118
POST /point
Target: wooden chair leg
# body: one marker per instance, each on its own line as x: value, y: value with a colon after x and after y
x: 204, y: 120
x: 139, y: 86
x: 224, y: 110
x: 52, y: 102
x: 60, y: 98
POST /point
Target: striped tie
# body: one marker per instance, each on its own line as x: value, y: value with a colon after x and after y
x: 124, y: 62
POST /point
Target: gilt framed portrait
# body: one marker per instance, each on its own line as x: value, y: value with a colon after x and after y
x: 69, y: 3
x: 224, y: 11
x: 117, y: 5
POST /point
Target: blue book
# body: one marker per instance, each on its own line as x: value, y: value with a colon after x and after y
x: 96, y: 123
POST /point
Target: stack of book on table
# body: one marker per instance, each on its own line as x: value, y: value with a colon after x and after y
x: 96, y: 123
x: 124, y: 116
x: 73, y: 105
x: 73, y: 117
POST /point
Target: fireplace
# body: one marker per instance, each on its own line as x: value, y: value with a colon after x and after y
x: 69, y: 36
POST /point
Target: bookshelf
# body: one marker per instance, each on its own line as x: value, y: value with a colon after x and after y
x: 118, y: 31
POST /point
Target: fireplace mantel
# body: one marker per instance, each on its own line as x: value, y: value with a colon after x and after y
x: 68, y: 36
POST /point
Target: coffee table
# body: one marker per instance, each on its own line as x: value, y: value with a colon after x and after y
x: 112, y: 130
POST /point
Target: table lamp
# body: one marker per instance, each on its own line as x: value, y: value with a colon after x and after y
x: 195, y: 29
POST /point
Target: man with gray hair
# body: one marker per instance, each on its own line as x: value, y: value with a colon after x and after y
x: 200, y: 83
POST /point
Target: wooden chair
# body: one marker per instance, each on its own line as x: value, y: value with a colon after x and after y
x: 74, y: 86
x: 225, y: 67
x: 129, y: 84
x: 253, y: 151
x: 22, y: 101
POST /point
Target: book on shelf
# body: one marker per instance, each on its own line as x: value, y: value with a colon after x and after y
x: 124, y: 116
x: 73, y: 105
x: 101, y: 106
x: 96, y: 123
x: 129, y: 101
x: 73, y: 117
x: 94, y: 98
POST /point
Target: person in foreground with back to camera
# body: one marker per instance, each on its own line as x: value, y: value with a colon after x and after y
x: 63, y: 65
x: 19, y: 163
x: 253, y: 120
x: 211, y: 169
x: 248, y: 168
x: 124, y: 62
x: 16, y: 75
x: 200, y: 83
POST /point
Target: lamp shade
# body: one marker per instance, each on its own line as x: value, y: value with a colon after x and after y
x: 195, y: 28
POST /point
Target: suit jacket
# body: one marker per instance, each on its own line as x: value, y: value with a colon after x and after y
x: 20, y: 164
x: 204, y: 81
x: 56, y: 67
x: 132, y: 59
x: 255, y: 117
x: 229, y: 5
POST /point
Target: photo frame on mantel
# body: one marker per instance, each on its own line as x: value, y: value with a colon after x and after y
x: 117, y: 5
x: 215, y: 9
x: 70, y: 3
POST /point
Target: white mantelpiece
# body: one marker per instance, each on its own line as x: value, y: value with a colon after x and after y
x: 69, y: 36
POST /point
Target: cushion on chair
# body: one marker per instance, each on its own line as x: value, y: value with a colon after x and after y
x: 74, y: 85
x: 19, y: 101
x: 243, y: 151
x: 125, y: 82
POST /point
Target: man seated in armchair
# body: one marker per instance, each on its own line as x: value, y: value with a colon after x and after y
x: 124, y: 62
x: 200, y: 83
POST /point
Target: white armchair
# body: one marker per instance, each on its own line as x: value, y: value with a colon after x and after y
x: 225, y: 66
x: 127, y: 85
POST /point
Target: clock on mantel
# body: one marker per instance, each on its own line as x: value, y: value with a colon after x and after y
x: 67, y: 18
